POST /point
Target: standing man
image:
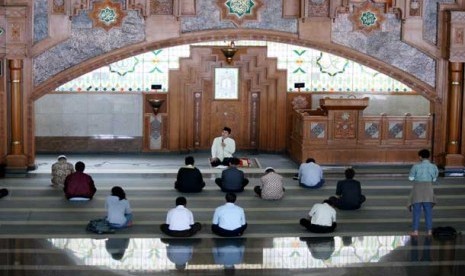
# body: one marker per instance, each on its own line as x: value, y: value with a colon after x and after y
x: 348, y: 193
x: 229, y: 219
x: 180, y: 221
x: 223, y: 148
x: 310, y: 175
x: 79, y: 185
x: 60, y: 170
x: 232, y: 179
x: 422, y: 195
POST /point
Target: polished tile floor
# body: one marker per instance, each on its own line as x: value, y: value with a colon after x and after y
x: 358, y: 255
x: 43, y: 234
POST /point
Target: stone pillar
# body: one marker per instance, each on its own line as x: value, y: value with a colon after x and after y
x: 16, y: 160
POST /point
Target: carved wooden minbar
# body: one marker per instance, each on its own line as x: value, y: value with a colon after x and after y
x: 342, y: 135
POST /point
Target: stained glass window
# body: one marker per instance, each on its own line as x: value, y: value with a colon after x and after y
x: 320, y: 71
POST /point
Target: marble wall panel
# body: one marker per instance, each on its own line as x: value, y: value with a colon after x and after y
x: 395, y: 105
x: 99, y: 104
x: 75, y: 124
x: 87, y: 145
x: 40, y: 20
x: 86, y: 42
x: 386, y: 46
x: 49, y: 125
x: 208, y: 18
x: 74, y: 103
x: 88, y: 114
x: 99, y: 124
x: 49, y: 105
x: 127, y: 124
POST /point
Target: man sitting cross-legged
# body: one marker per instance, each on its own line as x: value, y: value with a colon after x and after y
x: 189, y: 178
x: 348, y: 192
x: 322, y: 218
x: 79, y: 185
x: 180, y: 221
x: 232, y: 179
x: 229, y: 219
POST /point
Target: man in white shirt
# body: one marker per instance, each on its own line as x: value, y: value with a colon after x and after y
x: 322, y: 218
x: 223, y: 148
x: 180, y: 221
x: 229, y: 219
x: 310, y: 175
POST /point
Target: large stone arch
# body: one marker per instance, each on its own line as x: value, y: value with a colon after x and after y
x: 419, y: 86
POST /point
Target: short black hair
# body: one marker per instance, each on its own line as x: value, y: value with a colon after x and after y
x: 181, y: 201
x: 230, y: 197
x: 350, y: 173
x: 79, y: 166
x: 227, y: 129
x: 424, y: 153
x: 119, y: 192
x: 189, y: 160
x: 329, y: 202
x: 309, y: 160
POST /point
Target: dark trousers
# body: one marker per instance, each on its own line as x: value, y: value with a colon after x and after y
x: 340, y: 204
x: 184, y: 233
x: 219, y: 182
x: 3, y: 192
x: 190, y: 189
x: 317, y: 228
x: 217, y: 162
x: 228, y: 233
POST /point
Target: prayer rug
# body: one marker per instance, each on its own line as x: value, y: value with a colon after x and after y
x: 247, y: 162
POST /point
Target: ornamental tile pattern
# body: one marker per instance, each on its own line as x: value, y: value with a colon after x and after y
x: 161, y: 7
x: 239, y: 11
x: 367, y: 17
x: 107, y: 15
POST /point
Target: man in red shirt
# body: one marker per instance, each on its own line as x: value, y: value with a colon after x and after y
x: 79, y: 185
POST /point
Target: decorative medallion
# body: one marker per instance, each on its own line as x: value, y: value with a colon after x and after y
x: 58, y: 6
x: 238, y: 11
x: 299, y: 102
x: 107, y: 14
x: 367, y: 17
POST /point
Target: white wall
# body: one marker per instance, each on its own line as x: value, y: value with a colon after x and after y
x: 89, y: 114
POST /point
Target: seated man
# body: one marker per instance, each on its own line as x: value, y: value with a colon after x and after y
x: 271, y: 185
x: 322, y: 218
x: 60, y: 170
x: 3, y: 192
x: 232, y: 179
x: 79, y: 185
x: 180, y: 221
x: 189, y: 178
x: 348, y: 192
x: 229, y: 219
x: 310, y: 175
x: 223, y: 148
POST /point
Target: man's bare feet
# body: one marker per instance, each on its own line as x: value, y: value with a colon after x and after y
x: 414, y: 233
x: 429, y: 233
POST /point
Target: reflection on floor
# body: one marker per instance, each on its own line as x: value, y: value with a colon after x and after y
x: 43, y: 234
x: 362, y: 255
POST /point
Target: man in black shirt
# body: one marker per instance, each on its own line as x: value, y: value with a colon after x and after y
x: 348, y: 192
x: 189, y: 179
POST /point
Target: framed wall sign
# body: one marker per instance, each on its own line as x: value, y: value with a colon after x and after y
x: 226, y: 83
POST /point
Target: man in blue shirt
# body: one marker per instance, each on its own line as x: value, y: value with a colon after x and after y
x: 229, y: 219
x: 310, y: 175
x: 422, y: 195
